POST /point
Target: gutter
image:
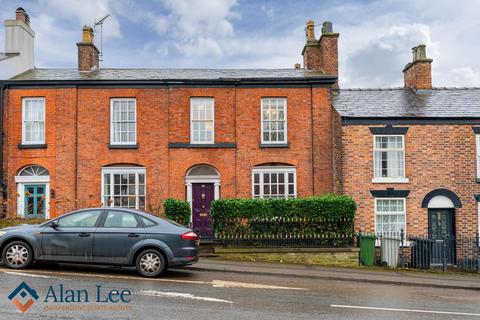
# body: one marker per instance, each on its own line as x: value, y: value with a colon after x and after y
x: 320, y: 81
x: 410, y: 120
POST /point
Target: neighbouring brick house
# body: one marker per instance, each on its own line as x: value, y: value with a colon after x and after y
x: 92, y: 136
x: 411, y: 155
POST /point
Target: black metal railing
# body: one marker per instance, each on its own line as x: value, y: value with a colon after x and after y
x: 291, y: 232
x: 421, y: 252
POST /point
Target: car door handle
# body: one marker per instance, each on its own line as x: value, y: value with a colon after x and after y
x: 133, y: 235
x: 84, y: 234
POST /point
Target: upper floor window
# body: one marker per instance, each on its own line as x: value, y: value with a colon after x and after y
x: 202, y: 120
x: 33, y: 121
x: 274, y: 182
x: 123, y: 121
x: 274, y: 120
x: 389, y: 154
x: 123, y: 187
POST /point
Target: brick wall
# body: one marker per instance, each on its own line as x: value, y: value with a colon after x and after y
x: 78, y: 129
x: 436, y: 156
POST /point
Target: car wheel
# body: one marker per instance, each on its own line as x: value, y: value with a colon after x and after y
x: 150, y: 263
x: 17, y: 255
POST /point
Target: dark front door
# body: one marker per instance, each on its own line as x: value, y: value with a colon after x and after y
x: 441, y: 229
x: 202, y: 197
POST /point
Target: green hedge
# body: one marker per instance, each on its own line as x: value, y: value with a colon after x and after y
x: 326, y: 206
x: 177, y: 210
x: 324, y: 215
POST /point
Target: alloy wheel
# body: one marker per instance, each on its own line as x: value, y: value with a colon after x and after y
x: 17, y: 255
x: 150, y: 263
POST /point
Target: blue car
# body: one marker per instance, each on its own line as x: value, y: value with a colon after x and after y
x: 108, y: 236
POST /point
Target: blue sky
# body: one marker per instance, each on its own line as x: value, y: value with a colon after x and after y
x: 375, y: 42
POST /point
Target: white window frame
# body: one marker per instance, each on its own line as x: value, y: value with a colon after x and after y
x: 266, y: 169
x: 285, y: 134
x: 477, y: 138
x: 390, y: 213
x: 375, y: 179
x: 192, y: 141
x: 24, y: 129
x: 122, y: 170
x: 112, y: 142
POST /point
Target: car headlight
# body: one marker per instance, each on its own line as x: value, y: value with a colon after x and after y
x: 2, y: 233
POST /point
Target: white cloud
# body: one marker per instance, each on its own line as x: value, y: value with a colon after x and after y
x: 85, y: 12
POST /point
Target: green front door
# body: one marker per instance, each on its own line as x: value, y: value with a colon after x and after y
x: 35, y: 201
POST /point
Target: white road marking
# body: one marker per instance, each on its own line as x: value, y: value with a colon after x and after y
x: 231, y: 284
x: 154, y: 293
x: 407, y: 310
x: 213, y: 283
x: 23, y: 274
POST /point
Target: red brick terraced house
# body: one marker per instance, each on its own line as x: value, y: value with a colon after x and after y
x: 92, y: 136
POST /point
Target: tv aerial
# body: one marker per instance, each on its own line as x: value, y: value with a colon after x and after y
x: 95, y: 26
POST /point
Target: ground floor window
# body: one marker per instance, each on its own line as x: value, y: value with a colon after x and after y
x: 274, y: 182
x: 123, y: 187
x: 389, y: 215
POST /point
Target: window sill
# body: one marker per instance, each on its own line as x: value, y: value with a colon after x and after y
x: 32, y: 146
x: 123, y: 146
x: 390, y: 180
x: 174, y: 145
x: 273, y: 145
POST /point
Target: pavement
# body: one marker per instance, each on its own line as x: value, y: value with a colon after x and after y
x: 194, y: 294
x: 403, y: 277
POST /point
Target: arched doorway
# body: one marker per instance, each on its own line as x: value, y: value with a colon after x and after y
x: 33, y: 189
x: 202, y: 187
x: 441, y: 204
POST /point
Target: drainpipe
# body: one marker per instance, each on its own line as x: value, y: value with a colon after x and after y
x: 2, y: 182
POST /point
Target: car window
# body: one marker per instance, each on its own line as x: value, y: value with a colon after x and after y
x: 147, y: 222
x: 120, y: 219
x: 83, y: 219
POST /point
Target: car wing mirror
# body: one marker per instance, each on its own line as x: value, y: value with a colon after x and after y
x: 53, y: 224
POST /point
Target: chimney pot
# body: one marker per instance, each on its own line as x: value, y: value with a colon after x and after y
x: 310, y: 30
x: 87, y: 35
x: 327, y: 27
x: 21, y: 15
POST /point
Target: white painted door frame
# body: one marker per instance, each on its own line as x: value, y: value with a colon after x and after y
x: 21, y: 181
x: 189, y: 180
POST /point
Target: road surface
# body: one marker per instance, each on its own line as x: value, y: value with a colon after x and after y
x: 187, y: 294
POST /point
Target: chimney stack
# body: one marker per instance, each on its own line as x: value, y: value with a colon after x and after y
x: 19, y: 45
x: 418, y: 73
x: 88, y: 54
x: 322, y: 54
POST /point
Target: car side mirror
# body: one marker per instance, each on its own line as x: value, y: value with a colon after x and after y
x: 53, y: 224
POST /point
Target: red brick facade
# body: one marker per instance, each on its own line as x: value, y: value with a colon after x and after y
x: 436, y: 157
x: 78, y: 135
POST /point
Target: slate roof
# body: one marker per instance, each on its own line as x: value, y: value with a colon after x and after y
x: 166, y: 74
x: 406, y: 103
